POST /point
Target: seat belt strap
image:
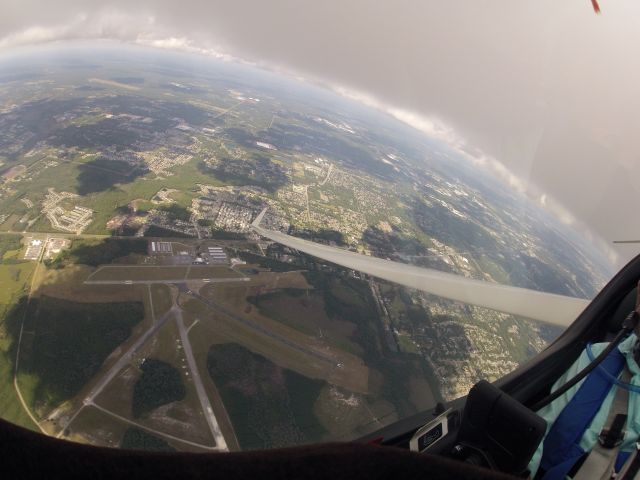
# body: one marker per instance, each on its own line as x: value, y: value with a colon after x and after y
x: 601, y: 461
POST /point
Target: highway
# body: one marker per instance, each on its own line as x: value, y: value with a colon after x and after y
x: 545, y: 307
x: 207, y: 410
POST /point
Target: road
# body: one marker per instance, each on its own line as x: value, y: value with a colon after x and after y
x: 258, y: 328
x: 151, y: 430
x: 207, y: 410
x: 542, y: 306
x: 121, y: 363
x: 126, y: 357
x: 16, y: 386
x: 328, y: 175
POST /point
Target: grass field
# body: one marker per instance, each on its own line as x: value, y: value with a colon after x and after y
x: 9, y: 243
x: 13, y: 279
x: 393, y: 373
x: 210, y: 271
x: 139, y: 273
x: 97, y: 428
x: 137, y: 439
x: 10, y: 407
x: 183, y: 417
x: 162, y: 298
x: 304, y: 310
x: 308, y: 355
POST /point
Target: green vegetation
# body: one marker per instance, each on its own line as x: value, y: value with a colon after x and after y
x: 225, y: 235
x: 350, y: 299
x: 66, y: 343
x: 323, y: 235
x: 159, y: 384
x: 252, y: 169
x: 269, y: 406
x: 102, y: 174
x: 304, y: 310
x: 10, y: 407
x: 13, y: 279
x: 9, y: 243
x: 155, y: 231
x: 137, y: 439
x: 99, y: 252
x: 267, y: 262
x: 176, y: 212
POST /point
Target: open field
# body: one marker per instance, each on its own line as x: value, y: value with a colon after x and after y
x: 197, y: 271
x: 347, y: 415
x: 138, y: 272
x: 68, y: 283
x: 96, y: 428
x: 281, y: 344
x: 274, y: 280
x: 13, y: 279
x: 10, y: 407
x: 9, y: 243
x: 393, y: 374
x: 137, y: 439
x: 304, y: 310
x: 162, y: 298
x: 182, y: 418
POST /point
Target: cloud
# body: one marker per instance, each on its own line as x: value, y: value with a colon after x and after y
x: 483, y: 79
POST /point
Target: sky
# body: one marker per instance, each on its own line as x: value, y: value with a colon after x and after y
x: 544, y: 93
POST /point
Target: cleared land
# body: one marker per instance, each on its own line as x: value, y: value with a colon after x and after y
x: 198, y: 271
x: 160, y: 273
x: 281, y: 344
x: 304, y: 310
x: 181, y: 418
x: 126, y: 272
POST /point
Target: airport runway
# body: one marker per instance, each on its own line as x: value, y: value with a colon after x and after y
x: 170, y: 281
x: 254, y: 326
x: 207, y: 410
x: 126, y: 357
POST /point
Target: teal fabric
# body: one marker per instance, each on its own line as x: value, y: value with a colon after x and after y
x: 590, y: 437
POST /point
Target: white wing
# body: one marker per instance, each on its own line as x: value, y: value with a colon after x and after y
x: 545, y: 307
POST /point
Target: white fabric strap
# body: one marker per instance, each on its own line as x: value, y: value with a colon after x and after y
x: 601, y: 461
